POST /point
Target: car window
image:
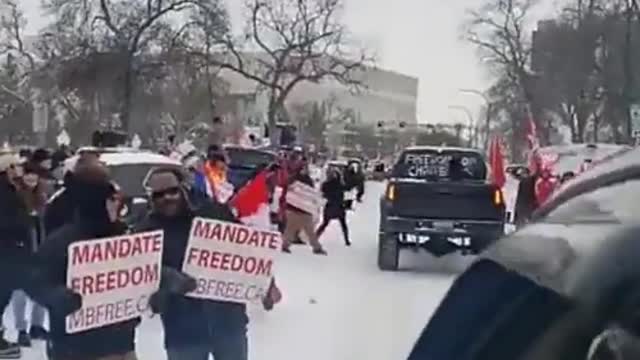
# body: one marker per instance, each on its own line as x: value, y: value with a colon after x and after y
x: 130, y: 177
x: 249, y: 158
x: 440, y: 165
x: 617, y: 203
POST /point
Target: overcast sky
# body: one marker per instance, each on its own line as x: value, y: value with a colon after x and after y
x: 415, y: 37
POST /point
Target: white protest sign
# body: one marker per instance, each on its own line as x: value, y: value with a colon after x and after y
x: 305, y: 197
x: 231, y: 262
x: 115, y: 277
x: 224, y: 191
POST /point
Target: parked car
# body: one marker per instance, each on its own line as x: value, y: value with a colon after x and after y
x: 244, y: 162
x: 129, y: 169
x: 438, y: 199
x: 563, y: 287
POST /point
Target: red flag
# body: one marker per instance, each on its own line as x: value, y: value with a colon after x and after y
x: 252, y: 197
x: 496, y: 161
x: 251, y: 204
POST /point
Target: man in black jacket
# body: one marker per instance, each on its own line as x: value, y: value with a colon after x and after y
x: 333, y: 190
x: 15, y: 238
x: 95, y: 216
x: 193, y: 328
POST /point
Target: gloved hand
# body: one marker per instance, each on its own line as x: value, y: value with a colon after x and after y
x: 176, y: 282
x: 62, y: 301
x: 158, y: 301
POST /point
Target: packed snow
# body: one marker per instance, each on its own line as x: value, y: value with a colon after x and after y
x: 338, y: 307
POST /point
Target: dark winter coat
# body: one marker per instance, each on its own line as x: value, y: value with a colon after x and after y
x: 60, y: 207
x: 188, y: 321
x: 333, y: 191
x: 51, y: 273
x: 354, y: 180
x: 15, y: 223
x: 526, y: 202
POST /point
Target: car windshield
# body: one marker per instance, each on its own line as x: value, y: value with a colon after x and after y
x: 249, y: 158
x: 440, y: 165
x: 130, y: 177
x: 608, y: 205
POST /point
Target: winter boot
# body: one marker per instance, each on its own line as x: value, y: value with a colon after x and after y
x: 9, y: 350
x: 24, y: 339
x: 39, y: 333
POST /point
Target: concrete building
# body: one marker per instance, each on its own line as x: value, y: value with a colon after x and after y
x: 389, y: 96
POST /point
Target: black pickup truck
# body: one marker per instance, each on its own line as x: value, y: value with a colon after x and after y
x: 438, y: 199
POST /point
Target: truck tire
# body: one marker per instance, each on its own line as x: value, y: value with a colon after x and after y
x: 388, y: 252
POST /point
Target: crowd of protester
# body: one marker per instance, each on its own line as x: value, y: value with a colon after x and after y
x: 44, y: 209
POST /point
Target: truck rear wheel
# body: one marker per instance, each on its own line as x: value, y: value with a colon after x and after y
x: 388, y: 252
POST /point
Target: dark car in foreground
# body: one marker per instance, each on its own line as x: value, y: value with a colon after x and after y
x: 438, y: 199
x: 566, y: 286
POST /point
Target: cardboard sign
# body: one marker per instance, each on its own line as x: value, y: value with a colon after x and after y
x: 231, y: 262
x: 115, y: 276
x: 305, y: 197
x: 224, y: 192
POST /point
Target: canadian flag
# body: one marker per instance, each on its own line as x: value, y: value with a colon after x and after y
x: 252, y: 207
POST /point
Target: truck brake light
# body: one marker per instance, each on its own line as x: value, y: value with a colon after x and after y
x: 498, y: 200
x: 391, y: 192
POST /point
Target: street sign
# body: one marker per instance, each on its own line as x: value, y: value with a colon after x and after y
x: 634, y: 111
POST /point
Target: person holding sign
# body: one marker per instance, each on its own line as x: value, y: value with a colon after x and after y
x: 298, y: 219
x: 193, y: 327
x: 96, y: 216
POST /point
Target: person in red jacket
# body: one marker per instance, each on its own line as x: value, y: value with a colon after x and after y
x: 545, y: 186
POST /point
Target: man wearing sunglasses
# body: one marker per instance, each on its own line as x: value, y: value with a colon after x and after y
x: 193, y: 328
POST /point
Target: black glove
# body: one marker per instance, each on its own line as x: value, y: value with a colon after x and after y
x: 176, y: 282
x: 158, y: 301
x: 62, y: 301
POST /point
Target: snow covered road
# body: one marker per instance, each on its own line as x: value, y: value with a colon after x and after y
x: 339, y: 307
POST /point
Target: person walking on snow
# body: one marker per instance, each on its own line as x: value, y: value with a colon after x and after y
x: 35, y: 197
x: 15, y: 226
x: 298, y: 220
x: 333, y: 190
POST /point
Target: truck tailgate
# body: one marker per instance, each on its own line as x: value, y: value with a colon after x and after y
x: 446, y: 200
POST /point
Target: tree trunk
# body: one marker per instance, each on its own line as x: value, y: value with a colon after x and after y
x: 127, y: 94
x: 272, y: 113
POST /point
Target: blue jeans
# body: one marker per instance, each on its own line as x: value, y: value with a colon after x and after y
x: 223, y: 347
x: 20, y: 300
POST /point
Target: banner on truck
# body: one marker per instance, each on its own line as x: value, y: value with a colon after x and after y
x: 115, y: 277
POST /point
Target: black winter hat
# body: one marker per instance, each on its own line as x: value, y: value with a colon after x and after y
x: 40, y: 155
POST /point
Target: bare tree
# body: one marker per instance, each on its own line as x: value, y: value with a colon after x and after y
x: 289, y: 42
x: 130, y: 29
x: 12, y: 42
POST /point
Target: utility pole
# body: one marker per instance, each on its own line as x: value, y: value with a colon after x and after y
x: 629, y: 82
x: 489, y: 109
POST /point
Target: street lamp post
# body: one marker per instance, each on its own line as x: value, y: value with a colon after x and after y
x: 469, y: 118
x: 488, y: 112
